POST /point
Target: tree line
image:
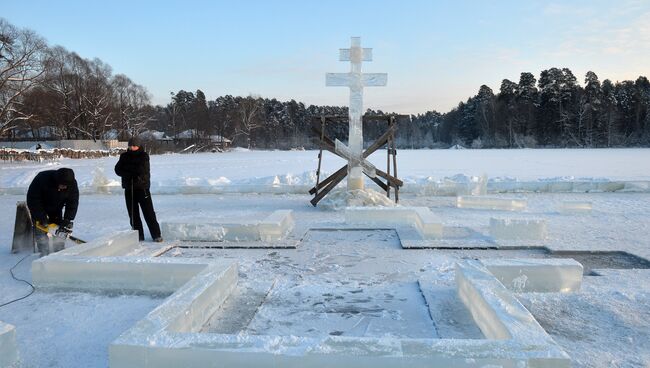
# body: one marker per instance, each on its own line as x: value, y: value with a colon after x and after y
x: 51, y: 91
x: 554, y: 111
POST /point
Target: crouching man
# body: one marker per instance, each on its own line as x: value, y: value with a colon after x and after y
x: 49, y: 193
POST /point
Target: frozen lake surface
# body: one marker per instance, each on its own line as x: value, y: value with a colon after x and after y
x: 357, y: 283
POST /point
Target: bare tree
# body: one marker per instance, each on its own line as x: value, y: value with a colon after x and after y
x: 97, y: 98
x: 21, y: 66
x: 57, y: 81
x: 131, y: 102
x: 250, y: 109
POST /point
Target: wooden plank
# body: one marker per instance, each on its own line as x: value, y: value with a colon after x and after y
x: 393, y: 180
x: 328, y: 188
x: 341, y: 171
x: 378, y: 143
x: 380, y: 183
x: 320, y: 153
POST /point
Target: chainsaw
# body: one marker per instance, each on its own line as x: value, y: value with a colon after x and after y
x: 54, y: 230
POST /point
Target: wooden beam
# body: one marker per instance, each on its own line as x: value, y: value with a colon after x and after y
x: 378, y: 143
x: 391, y: 179
x: 333, y: 183
x: 381, y: 184
x: 343, y: 170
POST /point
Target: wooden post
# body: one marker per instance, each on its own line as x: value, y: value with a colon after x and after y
x: 394, y: 151
x: 388, y: 162
x: 320, y: 153
x: 23, y: 230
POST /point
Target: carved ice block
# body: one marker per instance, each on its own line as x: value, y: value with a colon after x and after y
x: 426, y: 222
x: 537, y: 275
x: 114, y: 244
x: 273, y: 228
x: 8, y: 348
x: 276, y: 226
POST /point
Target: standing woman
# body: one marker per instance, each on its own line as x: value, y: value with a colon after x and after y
x: 133, y: 168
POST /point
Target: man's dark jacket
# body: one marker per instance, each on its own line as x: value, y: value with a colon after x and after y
x: 133, y: 168
x: 44, y: 199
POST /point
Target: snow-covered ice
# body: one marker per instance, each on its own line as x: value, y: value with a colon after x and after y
x: 67, y: 329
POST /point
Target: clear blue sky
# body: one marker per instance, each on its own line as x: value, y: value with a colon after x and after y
x: 436, y: 53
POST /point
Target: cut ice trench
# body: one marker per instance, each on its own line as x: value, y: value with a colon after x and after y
x: 343, y: 293
x: 401, y: 310
x: 309, y: 307
x: 590, y: 260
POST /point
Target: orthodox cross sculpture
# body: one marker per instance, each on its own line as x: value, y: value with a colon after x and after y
x: 355, y: 80
x: 354, y: 153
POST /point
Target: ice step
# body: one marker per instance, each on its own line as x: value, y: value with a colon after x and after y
x: 570, y: 207
x: 426, y: 222
x: 273, y: 228
x: 537, y: 275
x: 115, y: 244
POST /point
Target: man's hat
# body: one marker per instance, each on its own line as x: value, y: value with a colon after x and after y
x: 135, y: 141
x: 65, y: 176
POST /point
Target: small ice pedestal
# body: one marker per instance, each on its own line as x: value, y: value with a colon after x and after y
x: 575, y: 207
x: 355, y: 179
x: 506, y: 228
x: 491, y: 203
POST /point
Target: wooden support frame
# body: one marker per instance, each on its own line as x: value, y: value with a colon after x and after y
x: 322, y: 188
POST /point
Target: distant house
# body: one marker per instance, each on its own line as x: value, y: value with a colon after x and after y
x: 50, y: 137
x: 47, y: 132
x: 187, y: 134
x: 110, y: 135
x: 220, y: 141
x: 192, y: 137
x: 155, y: 135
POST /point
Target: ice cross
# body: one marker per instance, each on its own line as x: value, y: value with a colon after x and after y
x: 355, y: 80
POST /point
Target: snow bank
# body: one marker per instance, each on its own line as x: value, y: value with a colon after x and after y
x: 424, y: 172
